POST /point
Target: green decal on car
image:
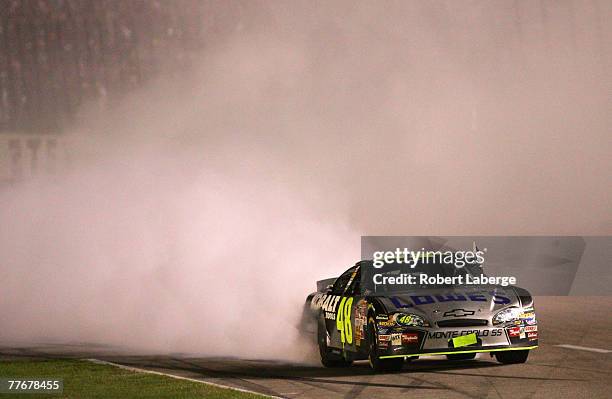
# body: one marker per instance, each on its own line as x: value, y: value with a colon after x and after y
x: 465, y: 340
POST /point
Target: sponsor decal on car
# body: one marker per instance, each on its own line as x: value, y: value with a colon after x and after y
x: 514, y: 331
x: 532, y: 336
x: 458, y: 333
x: 326, y: 302
x: 386, y: 323
x: 384, y: 337
x: 458, y: 313
x: 360, y: 321
x: 465, y: 340
x: 396, y: 339
x: 410, y: 338
x: 417, y: 300
x: 529, y: 329
x: 528, y: 318
x: 402, y: 319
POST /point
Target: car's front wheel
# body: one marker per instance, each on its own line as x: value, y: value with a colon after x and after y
x: 512, y: 357
x: 376, y: 363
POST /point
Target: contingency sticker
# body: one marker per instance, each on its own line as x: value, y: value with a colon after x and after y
x: 464, y: 340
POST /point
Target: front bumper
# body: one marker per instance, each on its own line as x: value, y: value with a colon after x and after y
x: 457, y: 351
x: 411, y: 342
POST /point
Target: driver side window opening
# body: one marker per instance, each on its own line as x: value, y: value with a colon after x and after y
x: 348, y: 282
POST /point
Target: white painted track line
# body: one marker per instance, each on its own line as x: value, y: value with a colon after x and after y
x: 584, y: 348
x: 139, y: 370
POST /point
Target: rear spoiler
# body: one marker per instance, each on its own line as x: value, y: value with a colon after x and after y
x: 323, y: 284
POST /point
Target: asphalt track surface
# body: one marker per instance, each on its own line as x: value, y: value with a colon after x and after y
x: 550, y: 372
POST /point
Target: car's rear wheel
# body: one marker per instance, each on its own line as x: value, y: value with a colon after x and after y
x: 376, y: 363
x: 461, y: 356
x: 328, y: 358
x: 512, y: 357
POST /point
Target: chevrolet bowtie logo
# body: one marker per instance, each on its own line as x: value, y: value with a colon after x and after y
x: 459, y: 313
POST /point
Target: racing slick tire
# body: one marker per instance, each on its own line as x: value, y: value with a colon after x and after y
x: 461, y: 356
x: 512, y: 357
x: 376, y: 363
x: 329, y: 359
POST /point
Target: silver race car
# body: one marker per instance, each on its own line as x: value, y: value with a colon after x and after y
x: 397, y: 324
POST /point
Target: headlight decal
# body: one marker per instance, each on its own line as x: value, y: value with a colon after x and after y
x: 507, y: 315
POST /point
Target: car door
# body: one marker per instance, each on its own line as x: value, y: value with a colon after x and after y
x: 341, y: 328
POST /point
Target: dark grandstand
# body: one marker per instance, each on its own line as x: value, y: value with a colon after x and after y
x: 57, y: 54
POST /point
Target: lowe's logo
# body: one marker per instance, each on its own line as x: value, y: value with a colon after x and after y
x: 429, y: 299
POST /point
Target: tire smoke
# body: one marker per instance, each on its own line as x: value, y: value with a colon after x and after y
x: 199, y: 211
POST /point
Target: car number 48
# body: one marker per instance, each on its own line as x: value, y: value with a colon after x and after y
x: 343, y: 320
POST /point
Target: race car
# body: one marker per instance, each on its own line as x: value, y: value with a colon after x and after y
x: 399, y: 324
